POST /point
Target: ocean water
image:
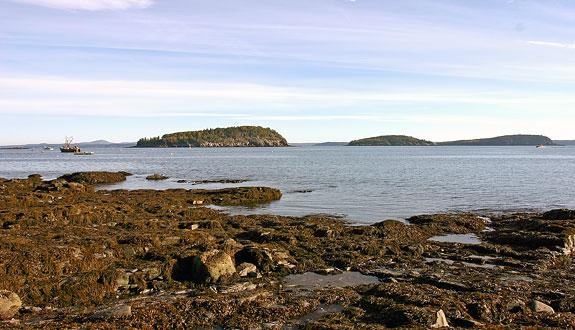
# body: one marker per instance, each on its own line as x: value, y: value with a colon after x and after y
x: 361, y: 184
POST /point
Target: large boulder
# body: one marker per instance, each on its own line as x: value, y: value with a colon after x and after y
x: 9, y: 304
x: 212, y: 266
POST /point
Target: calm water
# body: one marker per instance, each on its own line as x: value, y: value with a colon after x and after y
x: 365, y: 184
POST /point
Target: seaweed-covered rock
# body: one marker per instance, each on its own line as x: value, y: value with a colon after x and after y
x: 156, y: 177
x: 436, y: 224
x: 93, y: 178
x: 531, y: 233
x: 559, y: 214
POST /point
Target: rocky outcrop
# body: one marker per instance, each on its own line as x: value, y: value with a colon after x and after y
x: 165, y: 261
x: 553, y: 230
x: 94, y: 178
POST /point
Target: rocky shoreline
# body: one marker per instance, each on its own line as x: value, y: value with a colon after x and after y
x: 78, y: 258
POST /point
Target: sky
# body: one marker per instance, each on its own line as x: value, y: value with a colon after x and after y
x: 315, y: 71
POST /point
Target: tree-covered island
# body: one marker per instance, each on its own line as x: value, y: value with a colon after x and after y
x: 241, y: 136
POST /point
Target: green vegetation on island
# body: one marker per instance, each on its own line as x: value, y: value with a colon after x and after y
x: 242, y: 136
x: 506, y: 140
x: 391, y: 140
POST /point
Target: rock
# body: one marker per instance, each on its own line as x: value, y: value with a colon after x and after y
x: 10, y: 303
x: 539, y: 307
x: 559, y: 214
x: 123, y: 279
x: 239, y: 287
x: 261, y: 257
x: 113, y: 312
x: 441, y: 320
x: 230, y: 246
x: 156, y: 177
x: 515, y: 306
x: 130, y: 251
x: 246, y: 269
x: 75, y: 186
x: 324, y: 232
x: 170, y: 240
x: 95, y: 177
x: 212, y: 266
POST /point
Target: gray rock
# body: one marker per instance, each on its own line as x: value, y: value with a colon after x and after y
x: 10, y: 303
x: 515, y: 306
x: 441, y: 320
x: 123, y: 279
x: 261, y: 257
x: 113, y: 312
x: 539, y: 307
x: 211, y: 266
x: 170, y: 240
x: 246, y: 269
x: 239, y: 287
x: 130, y: 251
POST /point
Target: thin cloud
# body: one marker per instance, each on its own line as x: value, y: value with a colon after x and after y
x: 35, y: 95
x: 552, y: 44
x: 90, y: 4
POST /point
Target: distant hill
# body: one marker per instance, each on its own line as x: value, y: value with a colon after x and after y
x: 565, y: 142
x: 391, y: 140
x: 242, y: 136
x: 331, y: 144
x: 92, y: 144
x: 506, y: 140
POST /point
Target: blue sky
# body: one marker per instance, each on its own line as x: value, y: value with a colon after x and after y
x: 321, y: 70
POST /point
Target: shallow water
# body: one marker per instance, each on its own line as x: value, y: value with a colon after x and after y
x: 366, y: 184
x: 311, y: 281
x: 457, y: 238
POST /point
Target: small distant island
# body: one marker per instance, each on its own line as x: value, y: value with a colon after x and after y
x: 391, y: 140
x: 330, y: 144
x: 506, y: 140
x: 241, y: 136
x: 565, y: 142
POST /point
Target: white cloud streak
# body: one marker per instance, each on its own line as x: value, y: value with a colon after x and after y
x: 552, y: 44
x: 51, y: 96
x: 91, y: 5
